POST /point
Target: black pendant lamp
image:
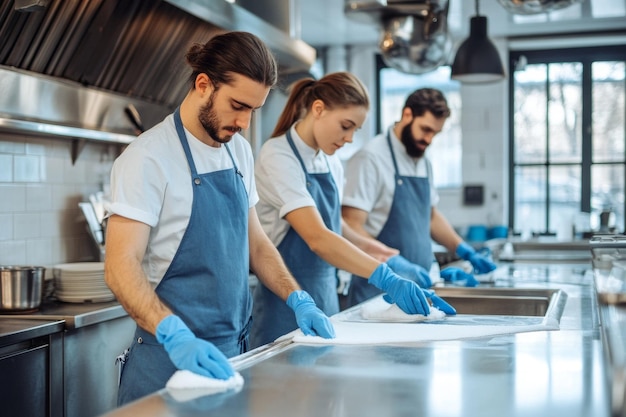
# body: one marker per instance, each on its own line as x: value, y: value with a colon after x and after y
x: 477, y: 60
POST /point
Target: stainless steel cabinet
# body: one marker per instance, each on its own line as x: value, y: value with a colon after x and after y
x: 31, y: 374
x: 90, y: 374
x: 82, y: 371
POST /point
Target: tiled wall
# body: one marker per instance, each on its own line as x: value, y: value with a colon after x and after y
x: 40, y: 221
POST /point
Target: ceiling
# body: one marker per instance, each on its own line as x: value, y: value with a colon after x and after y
x: 324, y: 22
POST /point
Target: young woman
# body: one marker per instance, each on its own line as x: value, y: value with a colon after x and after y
x: 299, y: 181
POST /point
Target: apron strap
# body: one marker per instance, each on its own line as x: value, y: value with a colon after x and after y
x: 183, y: 140
x: 295, y: 151
x: 393, y: 155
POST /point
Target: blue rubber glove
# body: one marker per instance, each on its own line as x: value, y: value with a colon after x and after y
x: 440, y: 303
x: 188, y: 352
x: 481, y: 264
x: 311, y: 320
x: 401, y: 266
x: 458, y: 276
x: 403, y: 292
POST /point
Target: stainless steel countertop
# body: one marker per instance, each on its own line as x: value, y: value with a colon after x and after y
x: 613, y: 318
x: 542, y: 373
x: 16, y: 330
x: 75, y: 315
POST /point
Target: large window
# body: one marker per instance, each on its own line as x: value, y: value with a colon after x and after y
x: 567, y: 138
x: 393, y: 89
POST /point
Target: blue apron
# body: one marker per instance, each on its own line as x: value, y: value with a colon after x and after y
x: 407, y: 228
x: 206, y: 283
x: 272, y: 317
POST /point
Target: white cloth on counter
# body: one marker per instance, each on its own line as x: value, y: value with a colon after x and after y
x: 379, y: 310
x: 371, y: 324
x: 186, y: 385
x: 356, y: 333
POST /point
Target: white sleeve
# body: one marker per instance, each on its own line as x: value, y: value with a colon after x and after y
x: 137, y: 186
x: 362, y: 186
x: 281, y: 182
x: 434, y: 195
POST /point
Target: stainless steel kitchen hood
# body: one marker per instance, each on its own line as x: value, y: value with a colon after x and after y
x: 293, y: 55
x: 132, y: 49
x: 40, y: 105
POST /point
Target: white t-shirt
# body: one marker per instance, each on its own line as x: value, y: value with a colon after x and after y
x: 151, y: 183
x: 281, y: 182
x: 370, y: 179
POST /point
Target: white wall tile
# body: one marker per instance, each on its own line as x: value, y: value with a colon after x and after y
x: 40, y: 222
x: 25, y: 225
x: 6, y: 168
x: 36, y: 147
x: 12, y: 144
x: 74, y: 174
x: 26, y: 168
x: 38, y: 197
x: 40, y: 252
x: 62, y: 195
x: 52, y: 169
x: 6, y: 227
x: 13, y: 252
x: 50, y: 223
x: 60, y: 149
x: 13, y: 198
x: 58, y: 252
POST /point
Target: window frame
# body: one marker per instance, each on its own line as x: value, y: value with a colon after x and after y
x: 586, y: 56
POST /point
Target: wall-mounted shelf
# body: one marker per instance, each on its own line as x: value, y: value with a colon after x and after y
x: 48, y: 129
x: 79, y: 136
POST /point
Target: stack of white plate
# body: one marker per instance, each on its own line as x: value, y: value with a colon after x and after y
x: 81, y: 282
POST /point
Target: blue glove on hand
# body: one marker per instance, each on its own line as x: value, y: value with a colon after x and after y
x: 403, y: 292
x: 440, y: 303
x: 457, y: 275
x: 188, y: 352
x: 401, y: 266
x: 481, y: 264
x: 311, y: 320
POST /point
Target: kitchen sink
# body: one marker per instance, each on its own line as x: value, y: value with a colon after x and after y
x: 505, y: 301
x: 478, y: 306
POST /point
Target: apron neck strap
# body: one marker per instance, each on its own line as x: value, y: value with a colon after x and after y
x: 295, y: 151
x: 183, y: 140
x: 393, y: 155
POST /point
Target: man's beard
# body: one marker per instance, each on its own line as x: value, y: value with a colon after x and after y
x: 409, y: 142
x: 210, y: 123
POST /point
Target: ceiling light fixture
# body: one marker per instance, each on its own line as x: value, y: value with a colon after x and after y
x: 477, y: 60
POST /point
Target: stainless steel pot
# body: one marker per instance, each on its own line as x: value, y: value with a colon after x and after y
x: 21, y: 287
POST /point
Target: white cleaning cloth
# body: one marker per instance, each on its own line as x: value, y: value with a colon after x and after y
x: 381, y: 311
x: 377, y: 322
x: 186, y: 385
x: 353, y: 333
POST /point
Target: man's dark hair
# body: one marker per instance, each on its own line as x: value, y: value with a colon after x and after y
x: 428, y: 100
x: 233, y: 52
